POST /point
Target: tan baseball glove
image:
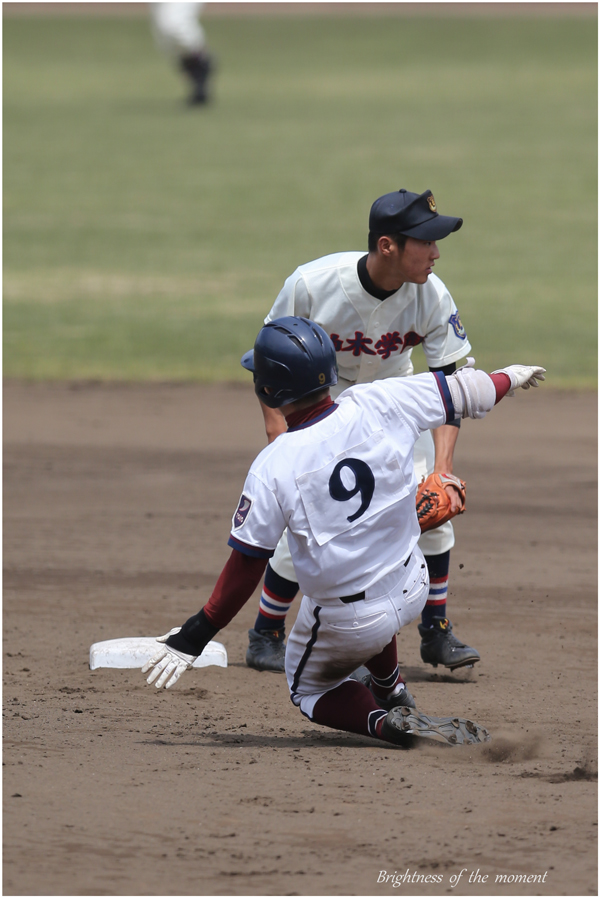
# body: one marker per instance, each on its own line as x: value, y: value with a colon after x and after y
x: 434, y: 506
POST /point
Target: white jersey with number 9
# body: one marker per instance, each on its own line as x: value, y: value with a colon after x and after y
x: 344, y: 486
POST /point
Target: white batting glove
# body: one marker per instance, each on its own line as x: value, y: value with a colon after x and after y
x: 523, y: 376
x: 168, y: 664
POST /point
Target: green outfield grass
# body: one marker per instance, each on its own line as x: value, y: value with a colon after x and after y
x: 145, y: 240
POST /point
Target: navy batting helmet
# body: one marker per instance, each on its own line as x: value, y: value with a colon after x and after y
x: 292, y: 357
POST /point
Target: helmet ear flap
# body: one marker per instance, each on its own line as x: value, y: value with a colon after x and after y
x: 272, y: 376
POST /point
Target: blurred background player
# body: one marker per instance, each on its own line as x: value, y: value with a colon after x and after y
x: 179, y: 34
x: 376, y: 307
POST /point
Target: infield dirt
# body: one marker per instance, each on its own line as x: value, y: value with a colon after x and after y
x: 117, y: 506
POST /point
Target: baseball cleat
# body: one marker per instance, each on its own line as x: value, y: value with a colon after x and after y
x: 405, y: 726
x: 361, y: 675
x: 266, y: 650
x: 439, y: 645
x: 402, y: 699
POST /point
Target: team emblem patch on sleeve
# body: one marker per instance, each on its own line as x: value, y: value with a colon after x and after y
x: 242, y: 511
x: 456, y: 323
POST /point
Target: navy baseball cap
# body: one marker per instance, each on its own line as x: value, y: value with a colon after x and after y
x: 411, y: 214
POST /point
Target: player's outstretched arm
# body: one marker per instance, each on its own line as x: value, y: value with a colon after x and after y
x: 474, y: 393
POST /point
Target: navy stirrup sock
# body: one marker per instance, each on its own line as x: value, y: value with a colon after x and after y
x: 438, y: 566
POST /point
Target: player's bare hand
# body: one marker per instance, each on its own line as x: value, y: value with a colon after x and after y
x: 456, y: 498
x: 523, y: 376
x: 167, y: 664
x: 456, y: 490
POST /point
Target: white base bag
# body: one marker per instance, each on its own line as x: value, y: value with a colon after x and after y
x: 134, y: 651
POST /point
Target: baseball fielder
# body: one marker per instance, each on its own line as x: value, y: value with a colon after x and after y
x: 376, y: 308
x: 342, y: 481
x: 179, y: 34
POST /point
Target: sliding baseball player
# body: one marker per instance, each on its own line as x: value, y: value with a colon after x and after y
x: 341, y: 480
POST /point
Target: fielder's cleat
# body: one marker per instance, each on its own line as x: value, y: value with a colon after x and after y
x: 266, y: 649
x: 439, y: 645
x: 402, y: 699
x: 405, y: 726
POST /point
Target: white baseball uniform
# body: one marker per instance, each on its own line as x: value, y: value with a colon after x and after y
x: 374, y: 339
x: 344, y: 485
x: 176, y: 27
x: 341, y: 480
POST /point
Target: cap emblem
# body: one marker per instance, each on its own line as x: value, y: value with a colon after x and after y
x: 431, y: 203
